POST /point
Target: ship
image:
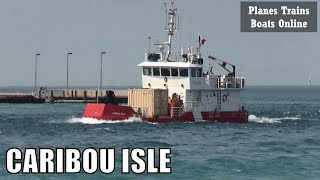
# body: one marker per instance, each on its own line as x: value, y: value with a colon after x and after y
x: 178, y: 88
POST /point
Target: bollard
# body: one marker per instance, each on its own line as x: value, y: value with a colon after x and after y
x: 97, y: 96
x: 85, y: 96
x: 51, y: 97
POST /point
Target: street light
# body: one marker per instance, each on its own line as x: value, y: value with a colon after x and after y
x: 101, y: 72
x: 68, y: 70
x: 35, y: 71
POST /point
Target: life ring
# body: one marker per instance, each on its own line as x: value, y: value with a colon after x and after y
x: 225, y: 97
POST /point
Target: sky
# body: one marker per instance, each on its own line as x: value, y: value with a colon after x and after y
x: 122, y: 27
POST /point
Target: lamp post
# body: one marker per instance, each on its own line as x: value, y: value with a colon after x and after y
x: 68, y: 70
x: 149, y: 44
x: 101, y: 72
x: 35, y: 71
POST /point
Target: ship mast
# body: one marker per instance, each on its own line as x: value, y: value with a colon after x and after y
x: 170, y: 27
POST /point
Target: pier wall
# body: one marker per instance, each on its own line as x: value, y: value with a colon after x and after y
x: 62, y: 96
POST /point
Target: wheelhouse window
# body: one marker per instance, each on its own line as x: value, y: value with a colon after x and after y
x: 184, y: 72
x: 193, y: 72
x: 165, y: 72
x: 147, y: 72
x: 174, y: 72
x: 156, y: 71
x: 199, y: 72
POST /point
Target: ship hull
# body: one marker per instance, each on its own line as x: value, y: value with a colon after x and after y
x: 226, y: 116
x: 116, y: 112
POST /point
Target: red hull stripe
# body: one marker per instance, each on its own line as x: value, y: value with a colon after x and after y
x: 116, y: 112
x: 108, y: 112
x: 226, y: 116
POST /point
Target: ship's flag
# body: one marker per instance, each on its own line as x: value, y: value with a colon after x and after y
x: 201, y: 41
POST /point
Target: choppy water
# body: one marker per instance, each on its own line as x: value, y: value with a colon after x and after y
x: 281, y: 141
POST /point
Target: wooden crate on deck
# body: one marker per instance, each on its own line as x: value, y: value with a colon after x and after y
x: 154, y: 100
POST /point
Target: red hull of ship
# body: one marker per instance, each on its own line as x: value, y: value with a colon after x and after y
x: 116, y: 112
x: 226, y: 116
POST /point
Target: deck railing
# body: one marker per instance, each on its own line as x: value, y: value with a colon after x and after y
x: 142, y: 111
x: 177, y: 111
x: 238, y: 83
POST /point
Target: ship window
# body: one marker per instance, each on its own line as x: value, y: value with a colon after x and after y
x: 174, y: 71
x: 156, y: 72
x: 193, y: 72
x: 184, y: 72
x: 165, y: 72
x: 199, y: 72
x: 147, y: 71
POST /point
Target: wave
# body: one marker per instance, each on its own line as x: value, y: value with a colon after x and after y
x: 106, y: 129
x: 96, y: 121
x: 254, y: 118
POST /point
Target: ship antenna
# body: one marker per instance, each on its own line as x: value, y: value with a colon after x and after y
x: 180, y: 24
x: 170, y: 27
x: 166, y: 11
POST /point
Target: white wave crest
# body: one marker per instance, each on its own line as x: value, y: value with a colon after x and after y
x: 84, y: 120
x: 254, y: 118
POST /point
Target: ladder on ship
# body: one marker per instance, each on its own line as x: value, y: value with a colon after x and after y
x: 176, y: 112
x: 219, y: 99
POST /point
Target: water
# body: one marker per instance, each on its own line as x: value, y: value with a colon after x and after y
x: 281, y: 141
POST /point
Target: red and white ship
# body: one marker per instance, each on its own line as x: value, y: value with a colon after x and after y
x: 178, y: 89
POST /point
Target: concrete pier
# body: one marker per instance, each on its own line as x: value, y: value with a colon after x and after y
x: 63, y: 96
x: 86, y: 96
x: 20, y: 98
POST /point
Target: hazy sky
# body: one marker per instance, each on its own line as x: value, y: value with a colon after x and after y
x: 121, y: 27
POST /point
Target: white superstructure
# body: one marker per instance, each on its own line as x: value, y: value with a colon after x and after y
x: 201, y: 90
